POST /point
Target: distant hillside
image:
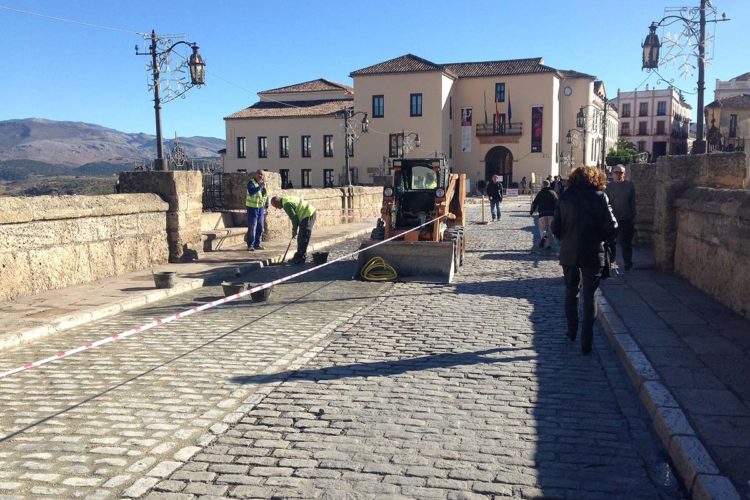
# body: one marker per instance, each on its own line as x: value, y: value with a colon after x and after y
x: 75, y: 144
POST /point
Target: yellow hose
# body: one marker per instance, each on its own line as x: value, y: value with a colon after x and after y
x: 377, y: 269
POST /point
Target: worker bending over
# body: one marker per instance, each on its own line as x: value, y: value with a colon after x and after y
x: 302, y: 214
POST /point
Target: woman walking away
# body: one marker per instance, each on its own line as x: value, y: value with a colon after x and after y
x: 583, y: 222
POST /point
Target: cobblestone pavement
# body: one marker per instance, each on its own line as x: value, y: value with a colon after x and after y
x: 340, y: 389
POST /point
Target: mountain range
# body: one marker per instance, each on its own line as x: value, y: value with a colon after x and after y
x: 73, y: 144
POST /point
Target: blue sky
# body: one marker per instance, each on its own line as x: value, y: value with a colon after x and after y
x: 87, y: 71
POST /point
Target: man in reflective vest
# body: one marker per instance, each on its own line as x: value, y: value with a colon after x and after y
x: 256, y: 202
x: 303, y: 216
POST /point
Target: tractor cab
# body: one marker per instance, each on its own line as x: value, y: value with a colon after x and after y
x: 417, y: 185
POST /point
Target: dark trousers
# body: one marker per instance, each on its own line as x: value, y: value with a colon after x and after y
x: 304, y: 233
x: 495, y: 209
x: 625, y: 231
x: 255, y: 219
x: 587, y: 280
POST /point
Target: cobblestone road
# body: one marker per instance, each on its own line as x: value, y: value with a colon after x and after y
x: 339, y: 389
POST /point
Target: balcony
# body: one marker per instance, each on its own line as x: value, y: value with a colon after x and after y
x: 512, y: 128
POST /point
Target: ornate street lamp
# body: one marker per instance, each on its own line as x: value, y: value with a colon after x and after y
x: 174, y: 87
x: 582, y: 123
x: 350, y: 135
x: 693, y: 18
x: 406, y: 144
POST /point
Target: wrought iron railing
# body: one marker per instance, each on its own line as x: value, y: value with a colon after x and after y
x: 510, y: 128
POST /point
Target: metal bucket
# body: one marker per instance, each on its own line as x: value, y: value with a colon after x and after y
x: 233, y: 287
x: 165, y: 279
x: 320, y: 258
x: 261, y: 295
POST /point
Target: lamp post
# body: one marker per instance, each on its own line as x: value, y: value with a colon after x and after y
x: 651, y: 47
x: 582, y: 123
x: 159, y: 60
x: 406, y: 144
x: 349, y: 133
x: 573, y: 138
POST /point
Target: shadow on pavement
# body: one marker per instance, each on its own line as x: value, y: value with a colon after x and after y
x: 385, y: 368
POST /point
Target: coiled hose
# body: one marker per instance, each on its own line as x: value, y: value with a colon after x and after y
x: 377, y: 269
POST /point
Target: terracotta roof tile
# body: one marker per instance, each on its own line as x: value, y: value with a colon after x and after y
x: 319, y: 85
x: 499, y: 68
x: 294, y: 109
x: 735, y: 101
x: 571, y: 73
x: 408, y: 63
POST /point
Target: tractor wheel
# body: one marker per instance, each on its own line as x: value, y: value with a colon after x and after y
x: 378, y: 233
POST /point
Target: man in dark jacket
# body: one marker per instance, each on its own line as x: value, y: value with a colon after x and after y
x: 621, y: 194
x: 583, y: 221
x: 546, y: 202
x: 495, y: 194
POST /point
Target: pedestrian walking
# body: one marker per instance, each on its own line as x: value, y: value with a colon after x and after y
x: 583, y: 222
x: 256, y: 202
x: 523, y: 185
x: 545, y: 202
x: 495, y: 194
x: 621, y: 194
x: 303, y: 215
x: 557, y: 185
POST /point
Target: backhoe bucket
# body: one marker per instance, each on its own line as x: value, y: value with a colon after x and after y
x: 413, y: 260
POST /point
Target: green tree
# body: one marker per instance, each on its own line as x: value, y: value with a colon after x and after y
x: 625, y: 152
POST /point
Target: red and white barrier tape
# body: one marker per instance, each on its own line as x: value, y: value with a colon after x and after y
x: 193, y: 310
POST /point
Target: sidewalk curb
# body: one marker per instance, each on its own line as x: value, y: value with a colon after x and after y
x: 692, y: 461
x: 214, y: 276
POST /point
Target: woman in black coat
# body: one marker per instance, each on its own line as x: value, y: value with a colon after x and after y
x: 583, y: 222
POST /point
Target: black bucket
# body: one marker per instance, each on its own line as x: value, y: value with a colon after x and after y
x: 320, y: 258
x: 261, y: 295
x: 164, y: 279
x: 233, y: 287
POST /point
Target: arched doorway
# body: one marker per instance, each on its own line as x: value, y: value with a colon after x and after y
x: 499, y: 161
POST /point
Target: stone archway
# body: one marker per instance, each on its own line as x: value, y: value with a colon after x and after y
x: 499, y: 161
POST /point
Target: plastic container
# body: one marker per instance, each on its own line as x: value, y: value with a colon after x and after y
x: 233, y: 287
x: 261, y: 295
x: 320, y: 258
x: 165, y: 279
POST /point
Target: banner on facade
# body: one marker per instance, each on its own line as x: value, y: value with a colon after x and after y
x: 466, y: 124
x: 537, y: 120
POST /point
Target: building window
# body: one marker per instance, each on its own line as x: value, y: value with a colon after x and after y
x: 378, y: 106
x: 499, y: 92
x: 625, y: 129
x: 643, y: 109
x: 262, y: 147
x: 395, y: 145
x: 641, y: 146
x: 450, y: 146
x: 283, y: 146
x: 241, y: 147
x: 328, y: 146
x: 284, y: 173
x: 625, y: 110
x: 661, y: 108
x: 642, y: 130
x: 415, y: 108
x: 450, y: 107
x: 306, y: 147
x: 732, y: 125
x: 328, y: 177
x: 660, y: 127
x: 306, y: 178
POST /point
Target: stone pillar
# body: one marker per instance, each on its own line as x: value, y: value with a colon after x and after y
x: 183, y: 191
x: 643, y: 177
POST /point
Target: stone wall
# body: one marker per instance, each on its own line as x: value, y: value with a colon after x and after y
x: 50, y: 242
x: 674, y: 176
x: 183, y: 191
x: 713, y: 243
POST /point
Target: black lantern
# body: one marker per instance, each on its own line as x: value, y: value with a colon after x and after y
x: 417, y: 141
x: 580, y: 119
x: 365, y: 124
x: 569, y: 138
x: 651, y: 47
x: 197, y: 67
